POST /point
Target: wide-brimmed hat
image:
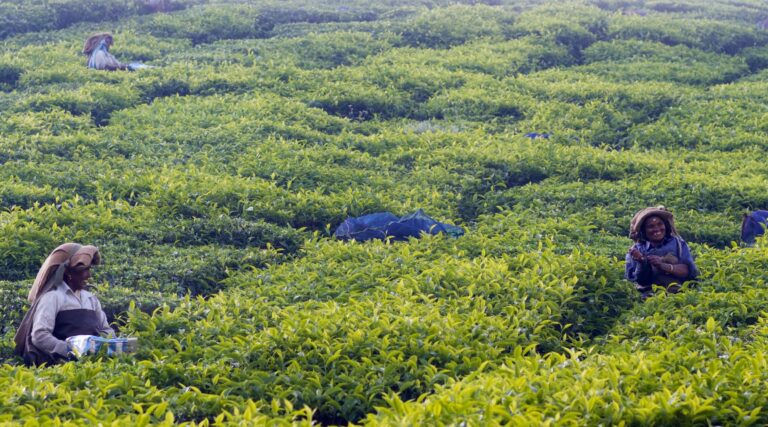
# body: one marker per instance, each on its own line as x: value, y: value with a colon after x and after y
x: 636, y: 225
x: 93, y: 41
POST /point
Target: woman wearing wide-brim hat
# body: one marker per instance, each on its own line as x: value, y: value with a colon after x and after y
x: 659, y: 255
x: 96, y: 48
x: 61, y: 306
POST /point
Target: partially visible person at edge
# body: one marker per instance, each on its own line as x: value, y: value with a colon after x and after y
x: 61, y: 307
x: 96, y: 47
x: 659, y: 255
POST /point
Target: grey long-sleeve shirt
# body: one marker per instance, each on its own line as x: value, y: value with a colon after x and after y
x: 51, y: 303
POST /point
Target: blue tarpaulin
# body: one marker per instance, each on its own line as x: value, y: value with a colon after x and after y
x: 383, y: 225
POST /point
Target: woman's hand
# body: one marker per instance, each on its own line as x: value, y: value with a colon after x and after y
x: 636, y: 254
x: 654, y: 260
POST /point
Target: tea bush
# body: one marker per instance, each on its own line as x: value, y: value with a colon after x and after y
x: 541, y: 389
x: 558, y: 388
x: 708, y: 35
x: 9, y: 76
x: 208, y: 23
x: 98, y: 100
x: 756, y: 58
x: 721, y: 124
x: 575, y: 29
x: 55, y: 123
x: 453, y: 25
x: 23, y: 16
x: 334, y: 49
x: 629, y: 61
x: 442, y: 291
x: 169, y: 270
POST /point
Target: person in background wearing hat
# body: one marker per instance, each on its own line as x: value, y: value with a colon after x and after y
x: 61, y: 307
x: 659, y: 255
x: 96, y: 47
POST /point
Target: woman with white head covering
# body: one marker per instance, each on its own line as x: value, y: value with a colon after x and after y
x: 96, y: 47
x: 61, y: 307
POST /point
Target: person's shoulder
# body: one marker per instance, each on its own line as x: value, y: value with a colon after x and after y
x: 671, y: 239
x: 86, y: 294
x: 47, y: 296
x: 50, y: 296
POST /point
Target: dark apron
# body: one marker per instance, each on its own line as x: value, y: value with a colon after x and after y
x: 76, y: 322
x: 650, y: 275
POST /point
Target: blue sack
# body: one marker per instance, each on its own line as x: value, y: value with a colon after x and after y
x: 753, y: 226
x: 535, y: 135
x: 365, y: 227
x: 383, y: 225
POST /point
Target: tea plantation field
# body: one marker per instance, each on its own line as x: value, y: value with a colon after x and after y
x: 213, y: 182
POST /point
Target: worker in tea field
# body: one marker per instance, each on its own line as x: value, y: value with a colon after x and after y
x: 753, y: 225
x: 96, y: 47
x: 61, y: 307
x: 659, y: 255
